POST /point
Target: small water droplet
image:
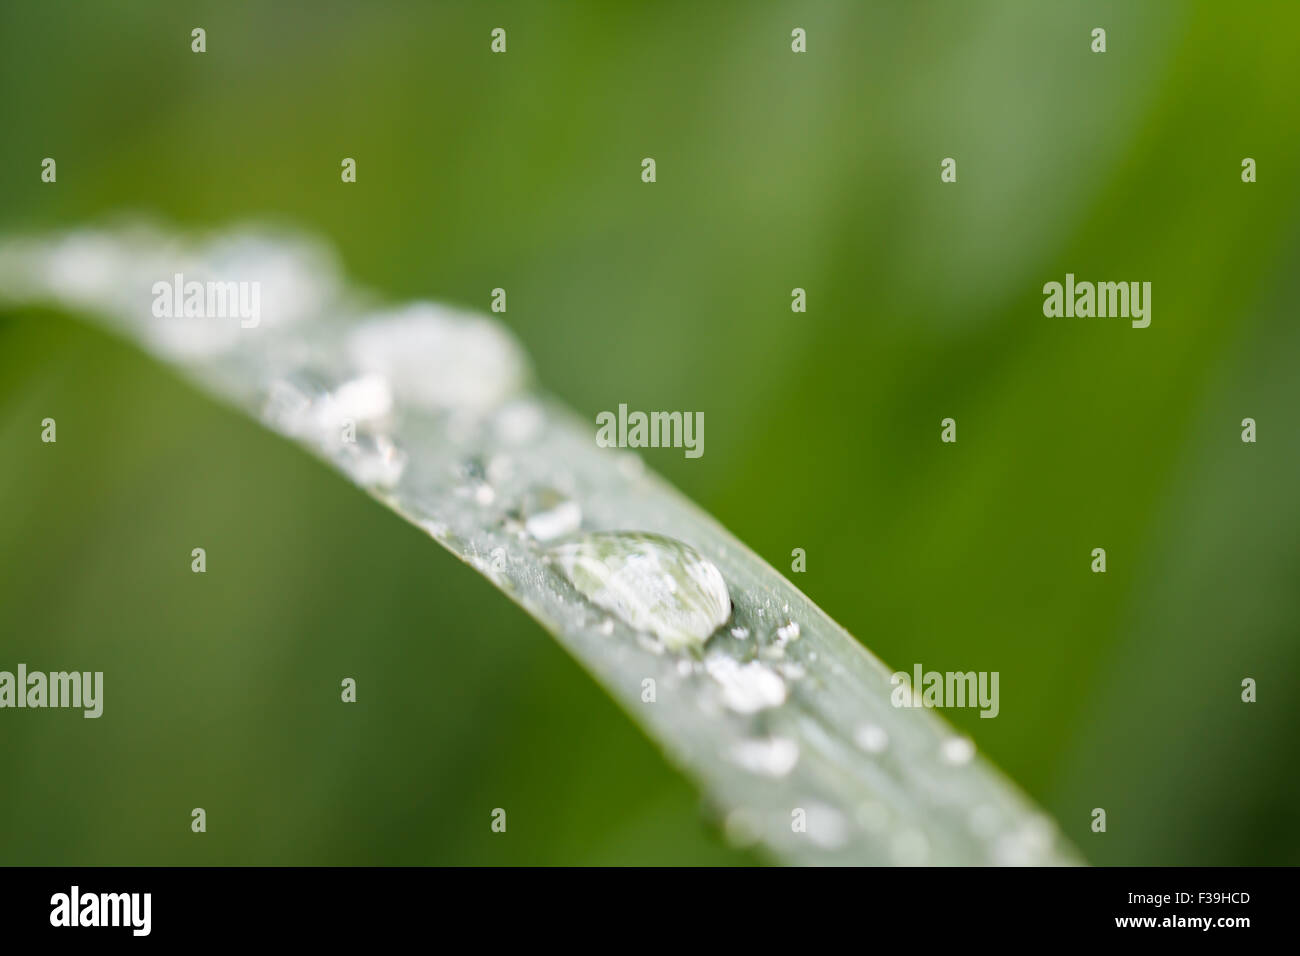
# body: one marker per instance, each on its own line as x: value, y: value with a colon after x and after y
x: 746, y: 688
x: 871, y: 738
x: 740, y: 633
x: 792, y: 670
x: 303, y: 405
x: 958, y: 750
x: 768, y: 757
x: 606, y: 626
x: 650, y: 643
x: 364, y: 399
x: 654, y: 583
x: 547, y: 514
x: 372, y: 460
x: 474, y: 474
x: 789, y: 631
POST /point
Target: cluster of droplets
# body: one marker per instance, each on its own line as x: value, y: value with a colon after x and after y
x: 348, y: 424
x: 676, y: 601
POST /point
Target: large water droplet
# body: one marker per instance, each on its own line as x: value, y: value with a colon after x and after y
x: 654, y: 583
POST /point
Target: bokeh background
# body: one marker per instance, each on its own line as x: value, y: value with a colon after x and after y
x: 775, y: 170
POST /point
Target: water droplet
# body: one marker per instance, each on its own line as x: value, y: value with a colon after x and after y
x: 768, y: 757
x: 548, y: 514
x: 789, y: 631
x: 871, y: 738
x: 440, y: 359
x: 958, y: 750
x: 655, y: 584
x: 372, y: 460
x: 792, y: 670
x: 740, y: 633
x: 476, y: 486
x: 606, y: 626
x: 650, y: 643
x: 746, y: 688
x: 304, y: 406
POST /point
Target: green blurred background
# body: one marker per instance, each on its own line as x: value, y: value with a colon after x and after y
x: 775, y: 170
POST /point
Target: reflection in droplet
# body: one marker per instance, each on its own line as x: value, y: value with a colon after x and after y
x: 655, y: 584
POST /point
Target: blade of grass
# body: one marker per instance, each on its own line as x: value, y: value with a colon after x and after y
x: 784, y: 720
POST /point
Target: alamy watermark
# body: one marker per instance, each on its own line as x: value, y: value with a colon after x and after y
x: 76, y: 689
x: 651, y: 430
x: 1124, y: 300
x: 924, y: 688
x: 75, y: 908
x: 177, y: 299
